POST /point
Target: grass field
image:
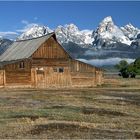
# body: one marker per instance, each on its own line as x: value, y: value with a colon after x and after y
x: 70, y: 113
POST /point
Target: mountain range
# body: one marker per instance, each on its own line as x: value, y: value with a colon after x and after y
x: 105, y: 42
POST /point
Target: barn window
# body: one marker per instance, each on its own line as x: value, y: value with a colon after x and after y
x: 61, y: 70
x: 55, y: 69
x: 21, y: 65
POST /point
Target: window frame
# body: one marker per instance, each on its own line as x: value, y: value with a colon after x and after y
x: 58, y: 69
x: 22, y: 65
x: 61, y: 70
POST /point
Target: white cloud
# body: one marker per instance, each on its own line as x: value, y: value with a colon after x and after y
x: 25, y: 22
x: 13, y: 35
x: 107, y: 61
x: 35, y: 18
x: 104, y: 52
x: 26, y: 28
x: 8, y: 34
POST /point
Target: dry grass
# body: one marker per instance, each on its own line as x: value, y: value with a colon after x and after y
x: 70, y: 113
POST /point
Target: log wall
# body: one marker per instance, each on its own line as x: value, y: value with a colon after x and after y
x: 38, y: 62
x: 83, y: 79
x: 16, y: 75
x: 85, y: 75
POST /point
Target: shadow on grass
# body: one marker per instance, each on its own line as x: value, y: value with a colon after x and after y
x: 62, y: 111
x: 130, y: 97
x: 71, y: 130
x: 102, y: 112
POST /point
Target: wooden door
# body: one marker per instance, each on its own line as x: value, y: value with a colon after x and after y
x: 40, y: 79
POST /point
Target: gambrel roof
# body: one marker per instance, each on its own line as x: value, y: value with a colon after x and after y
x: 24, y: 48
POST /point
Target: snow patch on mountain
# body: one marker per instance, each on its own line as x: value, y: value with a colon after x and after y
x: 64, y: 34
x: 106, y: 36
x: 34, y: 31
x: 107, y: 31
x: 130, y: 31
x: 71, y: 33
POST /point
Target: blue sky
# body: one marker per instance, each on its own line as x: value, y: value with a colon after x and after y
x: 17, y: 16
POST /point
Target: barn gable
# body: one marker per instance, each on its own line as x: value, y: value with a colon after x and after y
x: 23, y: 49
x: 51, y: 49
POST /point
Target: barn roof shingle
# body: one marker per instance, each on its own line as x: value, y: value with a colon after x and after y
x: 23, y: 49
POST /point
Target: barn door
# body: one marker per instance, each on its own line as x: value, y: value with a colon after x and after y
x: 40, y: 78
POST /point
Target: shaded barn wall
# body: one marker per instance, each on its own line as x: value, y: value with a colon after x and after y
x: 15, y: 74
x: 84, y: 74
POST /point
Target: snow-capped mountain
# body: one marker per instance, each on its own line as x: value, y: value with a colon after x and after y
x: 107, y: 41
x: 130, y: 31
x: 64, y: 34
x: 71, y: 33
x: 108, y: 33
x: 105, y: 36
x: 34, y: 31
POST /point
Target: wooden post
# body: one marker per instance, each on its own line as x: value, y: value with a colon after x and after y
x: 96, y: 77
x: 45, y: 74
x: 33, y: 77
x: 4, y: 78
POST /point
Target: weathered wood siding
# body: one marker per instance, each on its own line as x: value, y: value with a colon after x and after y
x: 47, y: 77
x: 2, y: 77
x: 84, y: 74
x: 78, y: 66
x: 38, y: 62
x: 48, y: 57
x: 15, y: 74
x: 99, y: 77
x: 50, y: 49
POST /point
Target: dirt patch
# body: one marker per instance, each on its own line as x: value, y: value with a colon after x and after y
x: 73, y: 131
x: 118, y: 102
x: 102, y: 112
x: 137, y: 135
x: 31, y: 117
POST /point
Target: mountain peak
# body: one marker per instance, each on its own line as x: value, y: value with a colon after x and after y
x: 129, y: 26
x: 130, y: 31
x: 34, y: 31
x: 71, y: 27
x: 106, y: 25
x: 107, y: 31
x: 107, y: 20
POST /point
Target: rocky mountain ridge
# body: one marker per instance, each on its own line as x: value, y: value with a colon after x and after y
x: 106, y: 41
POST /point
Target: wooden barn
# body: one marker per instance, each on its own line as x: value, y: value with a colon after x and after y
x: 42, y: 62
